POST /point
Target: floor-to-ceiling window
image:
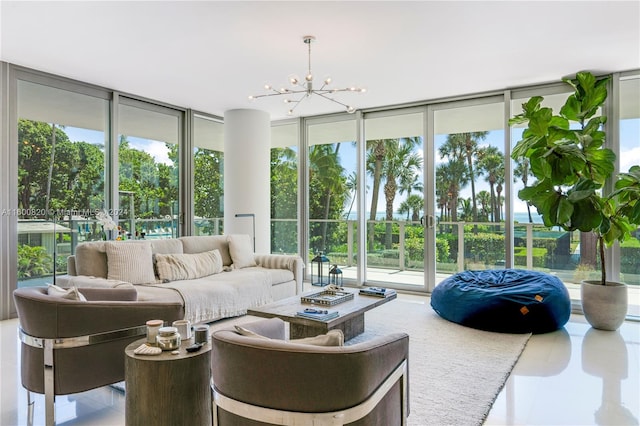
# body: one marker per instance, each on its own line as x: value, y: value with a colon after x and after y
x: 332, y: 161
x: 69, y: 122
x: 629, y: 255
x: 470, y: 186
x: 208, y: 173
x: 148, y: 170
x: 62, y: 135
x: 284, y: 187
x: 394, y: 197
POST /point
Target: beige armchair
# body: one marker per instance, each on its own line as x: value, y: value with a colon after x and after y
x: 71, y: 346
x: 259, y: 381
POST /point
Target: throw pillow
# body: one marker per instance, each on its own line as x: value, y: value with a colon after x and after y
x: 172, y: 267
x: 241, y: 251
x: 332, y: 338
x: 130, y: 261
x: 65, y: 293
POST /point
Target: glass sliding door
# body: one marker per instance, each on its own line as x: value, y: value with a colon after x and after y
x: 332, y: 165
x: 470, y: 187
x: 395, y: 197
x: 208, y: 172
x: 629, y: 256
x: 62, y: 135
x: 148, y: 170
x: 284, y: 187
x: 568, y: 255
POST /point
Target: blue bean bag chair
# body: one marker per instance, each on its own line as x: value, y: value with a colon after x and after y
x: 504, y: 300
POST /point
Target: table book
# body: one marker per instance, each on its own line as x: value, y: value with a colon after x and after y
x: 317, y: 314
x: 377, y: 291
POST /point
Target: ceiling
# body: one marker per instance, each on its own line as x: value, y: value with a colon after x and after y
x: 210, y: 55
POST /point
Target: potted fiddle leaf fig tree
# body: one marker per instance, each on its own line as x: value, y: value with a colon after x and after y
x: 568, y: 157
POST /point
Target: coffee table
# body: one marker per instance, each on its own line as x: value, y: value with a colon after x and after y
x: 350, y: 320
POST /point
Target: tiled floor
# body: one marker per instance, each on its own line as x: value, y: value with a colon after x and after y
x: 575, y: 376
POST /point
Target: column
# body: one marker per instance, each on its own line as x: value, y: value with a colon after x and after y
x: 247, y: 175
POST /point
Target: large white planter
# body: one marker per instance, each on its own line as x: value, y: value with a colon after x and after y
x: 604, y: 306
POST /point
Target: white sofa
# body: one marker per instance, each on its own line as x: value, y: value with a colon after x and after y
x: 213, y: 277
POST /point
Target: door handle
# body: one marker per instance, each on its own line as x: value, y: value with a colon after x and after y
x: 430, y: 221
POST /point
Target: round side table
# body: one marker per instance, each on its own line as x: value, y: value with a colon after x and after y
x: 168, y: 389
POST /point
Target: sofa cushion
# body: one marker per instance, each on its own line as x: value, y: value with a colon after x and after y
x: 91, y: 259
x: 166, y: 246
x: 187, y: 266
x: 276, y: 276
x: 241, y: 251
x: 65, y: 293
x: 198, y: 244
x: 130, y: 261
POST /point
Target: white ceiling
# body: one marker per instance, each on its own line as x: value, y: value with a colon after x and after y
x: 210, y: 55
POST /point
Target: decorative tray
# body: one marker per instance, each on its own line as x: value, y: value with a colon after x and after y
x: 327, y: 297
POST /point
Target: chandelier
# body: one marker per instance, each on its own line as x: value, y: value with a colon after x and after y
x: 304, y: 88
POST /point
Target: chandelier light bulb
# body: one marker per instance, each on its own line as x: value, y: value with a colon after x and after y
x: 309, y: 77
x: 294, y: 80
x: 327, y: 80
x: 267, y: 87
x: 351, y: 109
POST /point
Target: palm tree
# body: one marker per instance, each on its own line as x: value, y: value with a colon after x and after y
x: 484, y: 198
x: 442, y: 192
x: 376, y: 154
x: 491, y: 160
x: 325, y: 163
x: 401, y: 166
x: 499, y: 198
x: 523, y: 172
x: 466, y: 144
x: 455, y: 173
x: 394, y: 160
x: 352, y: 187
x: 456, y: 170
x: 412, y: 206
x: 466, y: 211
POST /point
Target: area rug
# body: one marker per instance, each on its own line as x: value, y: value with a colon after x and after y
x: 455, y: 372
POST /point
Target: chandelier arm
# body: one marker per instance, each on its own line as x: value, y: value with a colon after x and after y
x: 276, y: 93
x: 331, y: 99
x: 295, y: 105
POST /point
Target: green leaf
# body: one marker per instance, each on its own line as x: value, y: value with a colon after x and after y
x: 572, y: 109
x: 559, y: 122
x: 539, y: 122
x: 565, y: 210
x: 539, y: 167
x: 586, y: 216
x: 601, y: 162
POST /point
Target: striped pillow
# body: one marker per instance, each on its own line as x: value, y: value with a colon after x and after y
x: 130, y: 261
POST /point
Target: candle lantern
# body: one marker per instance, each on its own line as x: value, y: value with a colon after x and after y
x: 335, y: 276
x: 319, y: 270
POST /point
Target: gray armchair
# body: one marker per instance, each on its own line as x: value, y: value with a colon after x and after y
x: 259, y: 381
x: 71, y: 346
